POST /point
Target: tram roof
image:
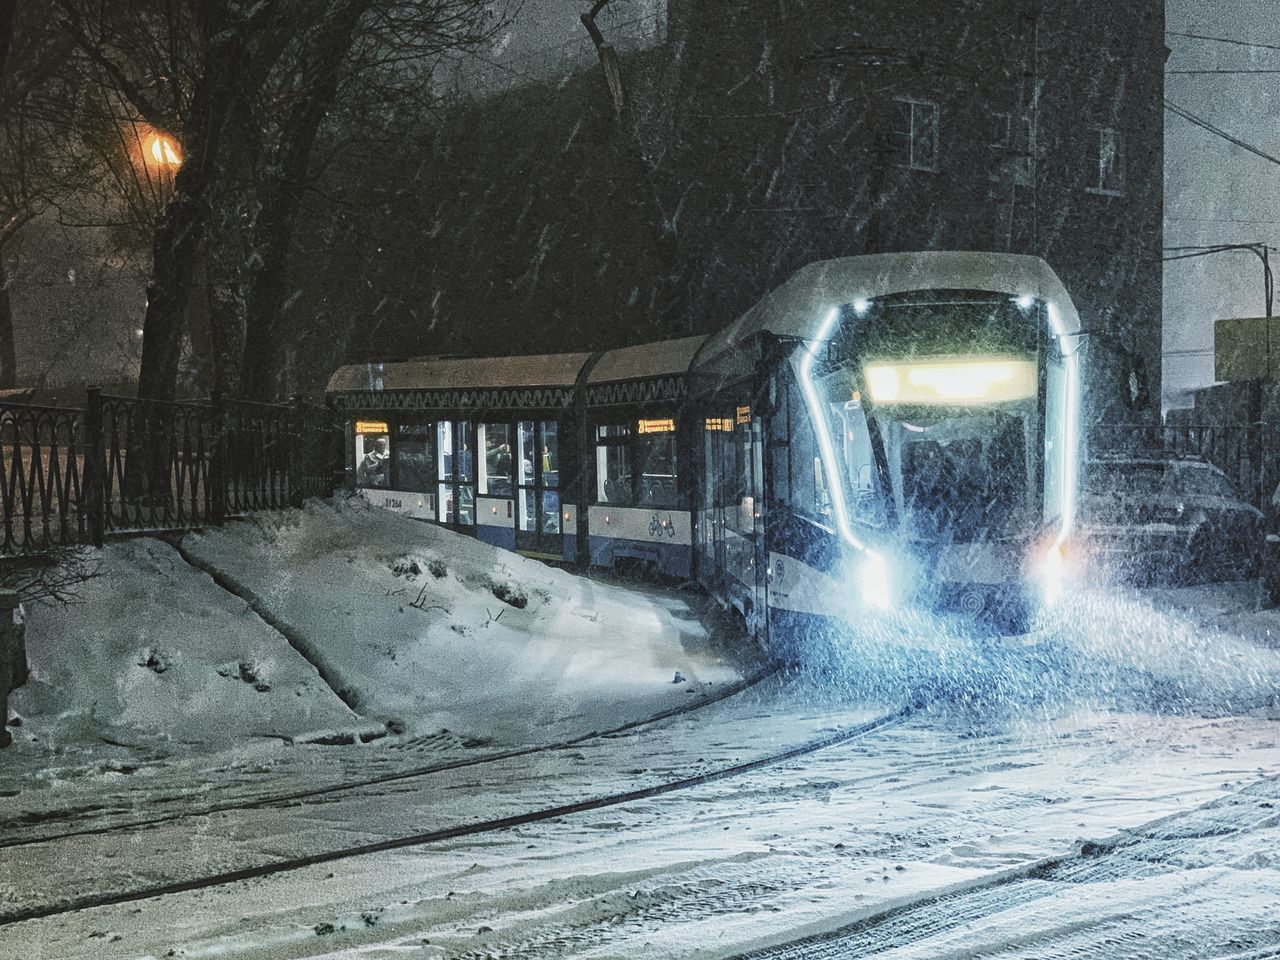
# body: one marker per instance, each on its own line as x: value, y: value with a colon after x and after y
x: 646, y: 360
x: 443, y: 373
x: 798, y: 307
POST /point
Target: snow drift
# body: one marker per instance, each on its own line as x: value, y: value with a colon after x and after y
x: 423, y: 628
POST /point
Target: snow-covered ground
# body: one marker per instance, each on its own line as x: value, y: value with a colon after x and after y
x: 159, y: 683
x: 426, y: 629
x: 966, y: 828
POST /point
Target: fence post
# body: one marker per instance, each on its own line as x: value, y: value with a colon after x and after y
x: 297, y: 455
x: 94, y: 479
x: 217, y: 459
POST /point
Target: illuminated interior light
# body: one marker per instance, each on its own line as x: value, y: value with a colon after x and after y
x: 955, y: 382
x: 1026, y: 301
x: 861, y: 306
x: 566, y: 516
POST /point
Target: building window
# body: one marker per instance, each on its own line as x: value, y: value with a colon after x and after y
x: 916, y: 134
x: 1000, y: 126
x: 1106, y: 163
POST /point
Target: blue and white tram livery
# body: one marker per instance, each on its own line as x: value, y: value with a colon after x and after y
x: 880, y: 432
x: 640, y: 432
x: 578, y: 457
x: 483, y: 446
x: 886, y: 431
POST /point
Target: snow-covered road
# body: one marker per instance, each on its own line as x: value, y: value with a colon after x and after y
x: 895, y: 818
x: 1023, y: 810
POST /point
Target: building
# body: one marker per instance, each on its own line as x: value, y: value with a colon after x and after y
x: 760, y: 136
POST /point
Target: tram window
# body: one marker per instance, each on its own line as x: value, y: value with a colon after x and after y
x: 495, y: 440
x: 656, y: 460
x: 414, y: 454
x: 550, y: 454
x: 808, y: 478
x: 466, y: 505
x: 373, y: 459
x: 613, y: 465
x: 550, y: 511
x: 466, y: 456
x: 867, y: 505
x: 527, y: 450
x: 613, y: 475
x: 528, y: 519
x: 444, y: 449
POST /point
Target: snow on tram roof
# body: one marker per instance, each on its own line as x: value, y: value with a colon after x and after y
x: 436, y: 373
x: 798, y: 307
x: 646, y: 360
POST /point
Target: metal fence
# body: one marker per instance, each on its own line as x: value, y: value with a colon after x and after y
x: 128, y: 465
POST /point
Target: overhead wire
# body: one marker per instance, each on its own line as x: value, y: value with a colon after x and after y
x: 1218, y: 131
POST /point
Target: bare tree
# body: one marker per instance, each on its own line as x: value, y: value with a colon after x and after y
x: 41, y: 163
x: 8, y: 14
x: 247, y: 90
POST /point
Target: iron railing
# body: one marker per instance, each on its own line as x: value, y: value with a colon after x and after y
x: 129, y: 465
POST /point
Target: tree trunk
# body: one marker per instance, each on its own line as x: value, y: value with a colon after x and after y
x: 8, y: 14
x: 8, y: 356
x: 180, y: 228
x: 281, y: 196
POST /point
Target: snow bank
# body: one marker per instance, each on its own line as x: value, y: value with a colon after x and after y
x: 425, y: 629
x: 153, y: 650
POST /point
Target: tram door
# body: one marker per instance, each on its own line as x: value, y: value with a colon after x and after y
x: 750, y: 560
x: 538, y: 529
x: 456, y: 470
x: 715, y: 491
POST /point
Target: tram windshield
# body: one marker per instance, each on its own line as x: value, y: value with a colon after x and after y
x: 935, y: 397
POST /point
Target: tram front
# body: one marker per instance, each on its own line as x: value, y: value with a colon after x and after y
x: 951, y: 422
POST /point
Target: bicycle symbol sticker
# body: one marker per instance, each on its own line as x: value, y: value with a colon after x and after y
x: 658, y: 527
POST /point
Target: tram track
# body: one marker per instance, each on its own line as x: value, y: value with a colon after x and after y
x: 299, y: 797
x: 113, y: 898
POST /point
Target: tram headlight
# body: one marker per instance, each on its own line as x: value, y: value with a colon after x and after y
x: 1053, y: 574
x: 873, y: 580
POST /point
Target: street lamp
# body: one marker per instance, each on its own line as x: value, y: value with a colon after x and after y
x: 163, y: 150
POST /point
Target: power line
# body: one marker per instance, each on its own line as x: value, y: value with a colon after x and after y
x: 1260, y: 250
x: 1188, y: 72
x: 1218, y: 131
x: 1230, y: 40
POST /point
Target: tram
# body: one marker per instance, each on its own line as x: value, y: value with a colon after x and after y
x: 577, y: 457
x: 880, y: 432
x: 891, y: 430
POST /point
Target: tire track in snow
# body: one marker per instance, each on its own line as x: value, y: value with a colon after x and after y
x: 302, y: 796
x: 91, y: 901
x: 1148, y: 893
